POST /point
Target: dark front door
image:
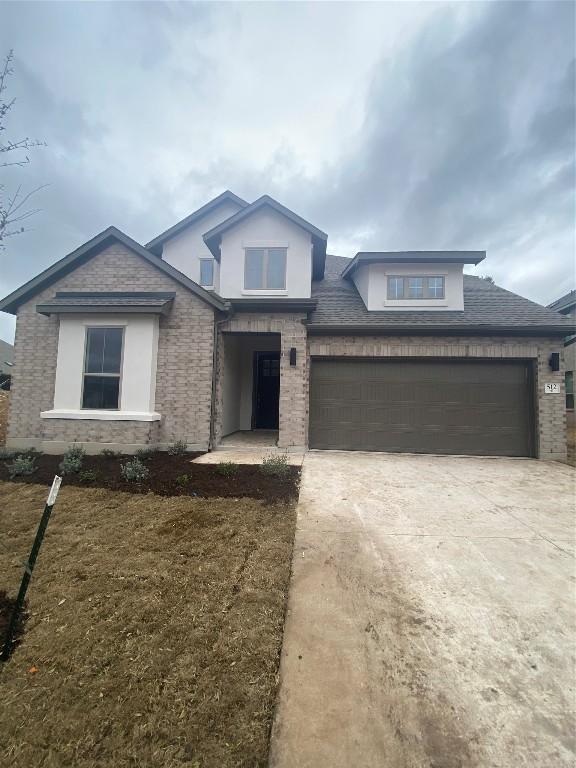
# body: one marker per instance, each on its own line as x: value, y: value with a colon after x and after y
x: 266, y: 389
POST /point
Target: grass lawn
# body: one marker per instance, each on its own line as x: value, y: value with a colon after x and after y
x: 154, y: 628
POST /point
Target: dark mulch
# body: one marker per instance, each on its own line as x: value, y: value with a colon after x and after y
x: 170, y: 476
x: 6, y: 608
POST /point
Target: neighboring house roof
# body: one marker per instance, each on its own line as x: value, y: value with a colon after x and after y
x: 6, y: 357
x: 413, y: 257
x: 487, y: 308
x: 117, y: 302
x: 213, y: 237
x: 156, y: 244
x: 87, y: 251
x: 564, y: 303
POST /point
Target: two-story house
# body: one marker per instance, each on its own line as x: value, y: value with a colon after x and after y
x: 236, y: 319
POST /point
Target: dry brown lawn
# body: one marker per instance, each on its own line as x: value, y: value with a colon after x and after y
x: 154, y: 631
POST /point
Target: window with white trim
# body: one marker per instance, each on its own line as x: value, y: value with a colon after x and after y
x: 408, y: 287
x: 265, y: 269
x: 207, y: 273
x: 102, y: 366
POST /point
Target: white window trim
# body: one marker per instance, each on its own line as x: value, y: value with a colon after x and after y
x: 272, y: 291
x: 207, y: 258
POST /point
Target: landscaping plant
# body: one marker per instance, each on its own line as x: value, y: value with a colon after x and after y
x: 22, y: 465
x: 88, y: 476
x: 145, y: 453
x: 134, y: 471
x: 109, y: 453
x: 227, y: 468
x: 178, y: 448
x: 276, y: 464
x: 182, y: 480
x: 72, y: 460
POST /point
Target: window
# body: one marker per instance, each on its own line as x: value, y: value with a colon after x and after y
x: 415, y: 287
x: 102, y: 363
x: 569, y: 381
x: 207, y: 272
x: 265, y: 269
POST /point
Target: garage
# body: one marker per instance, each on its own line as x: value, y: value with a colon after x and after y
x: 472, y: 407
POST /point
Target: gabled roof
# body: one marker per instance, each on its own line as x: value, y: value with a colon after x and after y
x: 487, y: 309
x: 213, y: 237
x: 413, y: 257
x: 564, y: 302
x: 94, y: 246
x: 156, y: 244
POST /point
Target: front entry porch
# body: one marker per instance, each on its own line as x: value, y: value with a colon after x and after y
x: 250, y: 386
x: 260, y: 393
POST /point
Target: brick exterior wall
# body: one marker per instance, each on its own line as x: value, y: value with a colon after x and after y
x: 293, y: 410
x: 550, y: 414
x: 184, y: 369
x: 185, y: 358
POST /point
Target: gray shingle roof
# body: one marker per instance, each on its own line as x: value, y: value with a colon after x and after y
x: 141, y: 302
x: 564, y: 302
x: 487, y: 308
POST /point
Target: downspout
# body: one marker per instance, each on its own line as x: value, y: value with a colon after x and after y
x: 217, y: 324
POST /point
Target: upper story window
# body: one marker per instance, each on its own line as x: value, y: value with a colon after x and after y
x: 207, y: 273
x: 404, y: 287
x: 102, y: 365
x: 265, y: 269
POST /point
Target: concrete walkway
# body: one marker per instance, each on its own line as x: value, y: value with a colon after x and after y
x: 431, y: 615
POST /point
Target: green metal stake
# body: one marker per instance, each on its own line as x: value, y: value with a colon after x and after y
x: 29, y: 567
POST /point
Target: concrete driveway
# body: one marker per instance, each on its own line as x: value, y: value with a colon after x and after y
x: 431, y: 615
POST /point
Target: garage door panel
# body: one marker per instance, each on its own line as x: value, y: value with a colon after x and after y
x: 470, y: 407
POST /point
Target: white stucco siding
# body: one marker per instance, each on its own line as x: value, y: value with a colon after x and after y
x: 372, y: 283
x: 266, y: 229
x: 138, y: 372
x: 185, y: 249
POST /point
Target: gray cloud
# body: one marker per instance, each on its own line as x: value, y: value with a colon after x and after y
x: 389, y: 126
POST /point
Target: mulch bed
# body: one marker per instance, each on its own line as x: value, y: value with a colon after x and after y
x: 168, y: 477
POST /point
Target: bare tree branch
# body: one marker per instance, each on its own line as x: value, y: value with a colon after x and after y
x: 12, y: 207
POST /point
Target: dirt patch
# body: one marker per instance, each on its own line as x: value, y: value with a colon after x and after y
x: 154, y: 631
x: 171, y: 476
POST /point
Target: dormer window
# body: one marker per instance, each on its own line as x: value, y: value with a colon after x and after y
x: 405, y: 287
x: 207, y: 273
x: 265, y: 269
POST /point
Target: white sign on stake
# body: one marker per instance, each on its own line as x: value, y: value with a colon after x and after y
x: 54, y: 491
x: 552, y: 389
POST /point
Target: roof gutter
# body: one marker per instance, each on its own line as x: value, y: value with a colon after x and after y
x: 317, y: 329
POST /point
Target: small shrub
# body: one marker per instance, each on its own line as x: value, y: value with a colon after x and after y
x: 72, y: 460
x: 276, y: 464
x: 88, y: 476
x: 22, y: 465
x: 182, y: 480
x: 29, y: 452
x: 227, y: 468
x: 109, y: 453
x: 134, y: 471
x: 144, y: 453
x: 6, y: 454
x: 178, y: 448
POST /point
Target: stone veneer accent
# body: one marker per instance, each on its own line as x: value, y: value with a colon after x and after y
x: 293, y: 415
x: 550, y: 413
x: 184, y: 369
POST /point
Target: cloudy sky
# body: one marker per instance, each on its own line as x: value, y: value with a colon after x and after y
x: 389, y: 125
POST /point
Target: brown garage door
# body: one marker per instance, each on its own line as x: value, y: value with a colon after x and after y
x: 422, y: 406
